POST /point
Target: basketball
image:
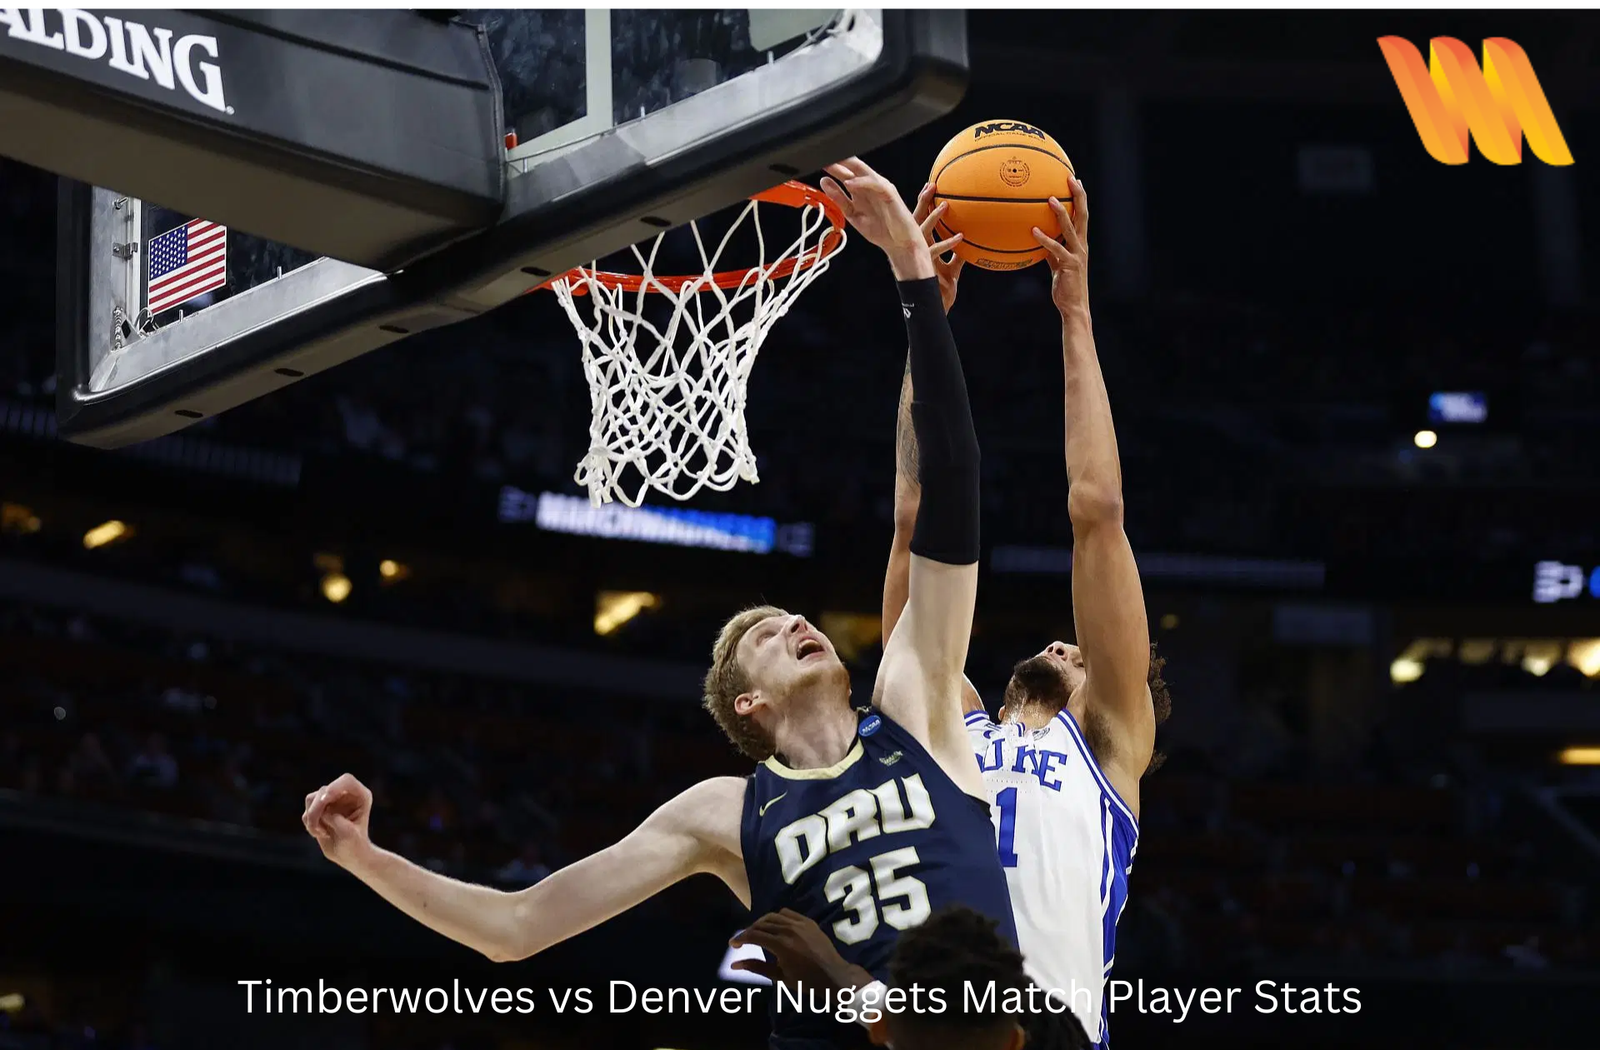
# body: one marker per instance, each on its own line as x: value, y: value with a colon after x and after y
x: 998, y: 177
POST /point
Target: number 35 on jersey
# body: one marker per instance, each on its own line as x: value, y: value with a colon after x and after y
x: 879, y: 892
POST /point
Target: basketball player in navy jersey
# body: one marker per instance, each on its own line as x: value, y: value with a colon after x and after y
x: 866, y: 822
x: 1077, y: 726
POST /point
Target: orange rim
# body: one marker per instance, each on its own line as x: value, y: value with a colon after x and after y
x: 788, y: 194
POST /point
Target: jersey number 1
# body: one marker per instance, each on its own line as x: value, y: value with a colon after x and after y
x: 1007, y: 801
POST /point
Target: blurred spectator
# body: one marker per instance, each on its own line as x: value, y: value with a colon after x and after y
x: 1285, y: 859
x: 526, y: 868
x: 1527, y: 956
x: 154, y: 765
x: 89, y: 772
x: 436, y: 813
x: 232, y: 799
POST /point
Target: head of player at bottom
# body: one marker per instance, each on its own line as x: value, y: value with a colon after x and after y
x: 775, y: 681
x: 957, y: 954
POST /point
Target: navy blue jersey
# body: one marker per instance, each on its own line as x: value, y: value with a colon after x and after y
x: 867, y: 848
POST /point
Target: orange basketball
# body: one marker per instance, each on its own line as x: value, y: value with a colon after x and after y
x: 998, y: 177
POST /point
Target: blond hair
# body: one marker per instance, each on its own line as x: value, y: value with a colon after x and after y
x: 727, y: 681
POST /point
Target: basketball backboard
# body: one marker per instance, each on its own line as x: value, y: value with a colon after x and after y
x: 618, y: 123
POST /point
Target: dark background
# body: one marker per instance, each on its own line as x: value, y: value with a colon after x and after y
x: 1269, y: 339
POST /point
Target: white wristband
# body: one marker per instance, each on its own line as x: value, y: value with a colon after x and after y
x: 869, y: 1000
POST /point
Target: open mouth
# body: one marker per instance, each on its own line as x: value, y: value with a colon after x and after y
x: 808, y: 647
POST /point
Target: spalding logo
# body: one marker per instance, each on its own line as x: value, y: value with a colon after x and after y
x: 1006, y: 127
x: 1014, y: 172
x: 127, y: 47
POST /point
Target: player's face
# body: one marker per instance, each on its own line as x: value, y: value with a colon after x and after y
x: 1049, y: 677
x: 784, y: 655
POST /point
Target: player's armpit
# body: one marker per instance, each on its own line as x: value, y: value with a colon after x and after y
x: 696, y: 832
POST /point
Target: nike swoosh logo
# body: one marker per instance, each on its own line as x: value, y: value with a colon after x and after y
x: 770, y: 803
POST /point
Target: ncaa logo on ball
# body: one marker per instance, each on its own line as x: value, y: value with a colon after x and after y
x: 871, y: 724
x: 1014, y: 171
x: 1006, y: 127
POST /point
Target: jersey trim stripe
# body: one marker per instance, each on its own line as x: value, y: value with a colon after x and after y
x: 981, y: 720
x: 816, y: 774
x: 1066, y: 719
x: 1108, y: 870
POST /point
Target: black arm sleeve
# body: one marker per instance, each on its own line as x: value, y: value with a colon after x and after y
x: 947, y: 517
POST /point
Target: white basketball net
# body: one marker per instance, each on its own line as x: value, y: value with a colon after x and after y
x: 668, y: 400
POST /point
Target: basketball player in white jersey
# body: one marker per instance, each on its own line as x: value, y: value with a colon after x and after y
x: 1077, y: 726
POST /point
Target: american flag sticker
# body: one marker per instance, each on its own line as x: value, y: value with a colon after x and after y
x: 185, y: 262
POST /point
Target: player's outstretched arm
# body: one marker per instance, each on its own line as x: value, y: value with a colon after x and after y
x: 907, y: 483
x: 907, y: 479
x: 696, y: 832
x: 1107, y: 597
x: 919, y: 681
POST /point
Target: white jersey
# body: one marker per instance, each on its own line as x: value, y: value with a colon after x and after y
x: 1067, y: 843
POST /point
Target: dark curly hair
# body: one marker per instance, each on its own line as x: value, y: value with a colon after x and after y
x: 955, y: 949
x: 1034, y: 681
x: 1161, y: 698
x: 958, y: 948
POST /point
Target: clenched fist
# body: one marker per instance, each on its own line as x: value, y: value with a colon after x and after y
x: 336, y: 816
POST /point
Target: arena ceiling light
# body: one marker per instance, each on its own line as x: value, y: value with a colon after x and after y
x: 107, y: 533
x: 851, y: 633
x: 1537, y: 656
x: 1579, y: 756
x: 14, y: 517
x: 1405, y: 669
x: 1540, y: 656
x: 1584, y: 654
x: 336, y: 587
x: 1425, y: 439
x: 613, y: 609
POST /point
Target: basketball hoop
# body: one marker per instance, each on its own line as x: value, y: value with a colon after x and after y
x: 668, y: 394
